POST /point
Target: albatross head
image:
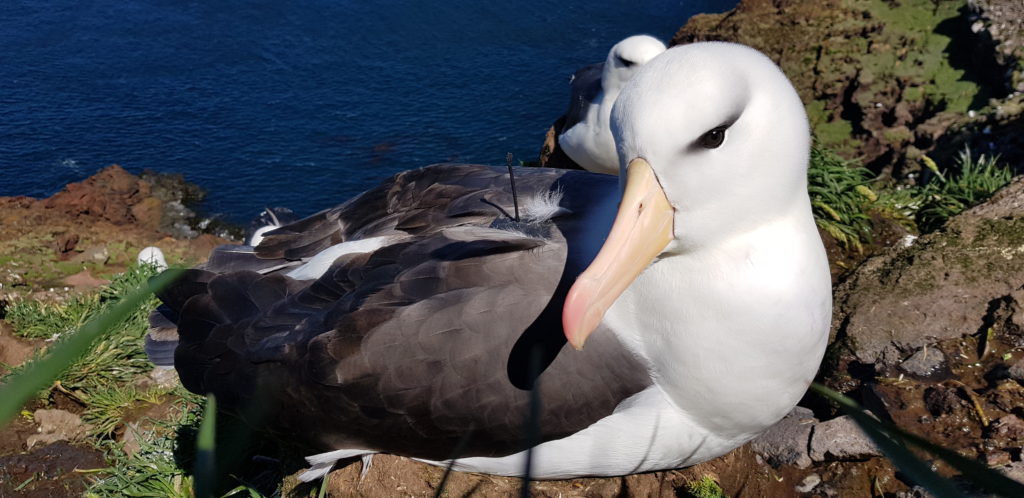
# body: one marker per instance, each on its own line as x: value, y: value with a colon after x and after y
x: 626, y: 58
x: 713, y: 141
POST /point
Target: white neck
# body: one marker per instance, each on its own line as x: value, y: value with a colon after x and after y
x: 733, y: 333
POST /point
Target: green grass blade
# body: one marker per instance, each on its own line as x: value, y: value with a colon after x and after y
x: 18, y: 388
x: 892, y: 441
x: 204, y: 474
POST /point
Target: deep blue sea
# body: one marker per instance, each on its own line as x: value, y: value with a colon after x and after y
x: 298, y: 104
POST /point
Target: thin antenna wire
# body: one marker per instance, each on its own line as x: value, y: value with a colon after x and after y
x: 512, y: 178
x: 532, y: 421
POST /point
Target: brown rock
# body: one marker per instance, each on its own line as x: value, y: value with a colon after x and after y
x: 65, y: 243
x: 1007, y: 396
x: 56, y: 425
x: 1008, y: 427
x: 109, y: 195
x: 941, y: 287
x: 13, y: 350
x: 92, y: 254
x: 148, y: 212
x: 996, y: 458
x: 84, y: 280
x: 942, y: 400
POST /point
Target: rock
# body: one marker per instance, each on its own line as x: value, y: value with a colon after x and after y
x: 941, y: 287
x: 65, y: 243
x: 148, y: 213
x: 92, y: 254
x: 13, y: 350
x: 809, y: 483
x: 942, y: 400
x: 840, y: 439
x: 129, y: 440
x: 109, y: 195
x: 163, y: 377
x: 996, y: 458
x: 1008, y: 396
x: 56, y: 425
x: 84, y: 280
x: 1014, y: 471
x: 785, y: 443
x: 1010, y: 428
x: 926, y: 363
x: 915, y: 492
x: 1017, y: 371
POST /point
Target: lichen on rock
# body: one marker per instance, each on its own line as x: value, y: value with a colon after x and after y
x: 945, y: 285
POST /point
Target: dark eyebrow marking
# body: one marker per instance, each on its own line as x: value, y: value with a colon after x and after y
x: 726, y: 124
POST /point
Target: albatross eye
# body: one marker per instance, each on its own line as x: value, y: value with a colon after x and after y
x: 713, y: 138
x: 624, y: 62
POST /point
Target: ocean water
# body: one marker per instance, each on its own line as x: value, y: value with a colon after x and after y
x: 298, y: 104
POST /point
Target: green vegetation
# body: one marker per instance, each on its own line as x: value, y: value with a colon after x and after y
x: 840, y: 198
x: 151, y: 470
x: 97, y: 358
x: 908, y: 48
x: 974, y: 181
x: 844, y: 195
x: 117, y: 357
x: 705, y: 487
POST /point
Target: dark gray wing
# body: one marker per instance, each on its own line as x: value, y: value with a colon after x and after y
x: 405, y: 349
x: 584, y: 88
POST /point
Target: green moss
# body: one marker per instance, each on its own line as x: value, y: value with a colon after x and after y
x: 706, y: 487
x: 897, y: 135
x: 1005, y: 233
x: 836, y: 135
x: 913, y: 94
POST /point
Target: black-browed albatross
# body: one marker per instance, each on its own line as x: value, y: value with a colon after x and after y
x: 586, y: 135
x: 408, y: 317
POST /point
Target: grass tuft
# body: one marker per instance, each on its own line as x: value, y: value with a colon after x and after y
x: 840, y: 198
x: 843, y: 198
x: 948, y: 194
x: 705, y: 487
x: 154, y: 469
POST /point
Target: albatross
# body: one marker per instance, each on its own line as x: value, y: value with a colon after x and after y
x: 660, y: 323
x: 587, y: 136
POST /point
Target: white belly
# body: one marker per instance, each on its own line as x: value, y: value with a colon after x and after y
x: 646, y: 432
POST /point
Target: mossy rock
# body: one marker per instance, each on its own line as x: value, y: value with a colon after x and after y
x: 943, y: 286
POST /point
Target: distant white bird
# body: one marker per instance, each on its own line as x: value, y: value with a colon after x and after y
x: 587, y: 137
x: 152, y: 256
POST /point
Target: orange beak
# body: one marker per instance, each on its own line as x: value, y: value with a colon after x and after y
x: 642, y: 229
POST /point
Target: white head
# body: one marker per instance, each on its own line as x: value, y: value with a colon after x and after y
x: 152, y: 256
x: 725, y: 133
x: 713, y: 142
x: 626, y: 58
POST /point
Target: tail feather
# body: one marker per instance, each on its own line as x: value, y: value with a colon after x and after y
x: 162, y: 339
x: 228, y: 258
